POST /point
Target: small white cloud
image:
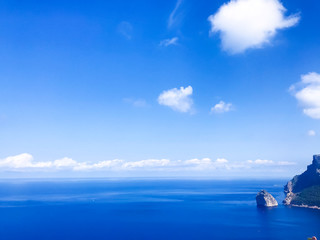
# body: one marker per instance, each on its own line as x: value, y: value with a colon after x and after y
x: 245, y: 24
x: 125, y: 29
x: 173, y: 15
x: 307, y: 92
x: 311, y: 133
x: 177, y: 99
x: 168, y: 42
x: 221, y: 107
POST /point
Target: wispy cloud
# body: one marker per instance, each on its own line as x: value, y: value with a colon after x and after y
x: 139, y: 103
x: 307, y: 92
x: 178, y: 99
x: 311, y: 133
x: 125, y: 29
x: 168, y: 42
x: 245, y: 24
x: 173, y: 15
x: 221, y: 107
x: 260, y: 162
x: 264, y: 162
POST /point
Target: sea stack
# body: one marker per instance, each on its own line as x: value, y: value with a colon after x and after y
x: 304, y: 189
x: 265, y: 199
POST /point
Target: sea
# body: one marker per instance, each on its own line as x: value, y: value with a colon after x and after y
x: 76, y: 209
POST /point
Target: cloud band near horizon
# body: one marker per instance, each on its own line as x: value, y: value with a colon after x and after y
x: 25, y: 162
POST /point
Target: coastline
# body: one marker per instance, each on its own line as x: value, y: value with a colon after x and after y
x: 305, y: 206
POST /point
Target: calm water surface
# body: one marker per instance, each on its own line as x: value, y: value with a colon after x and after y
x: 148, y: 209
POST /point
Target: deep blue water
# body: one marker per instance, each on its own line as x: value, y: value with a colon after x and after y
x: 148, y: 209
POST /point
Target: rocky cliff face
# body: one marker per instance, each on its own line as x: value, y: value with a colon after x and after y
x: 308, y: 182
x: 265, y: 199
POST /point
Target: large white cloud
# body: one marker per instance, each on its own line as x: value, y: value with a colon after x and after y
x: 307, y: 92
x: 177, y: 99
x: 245, y: 24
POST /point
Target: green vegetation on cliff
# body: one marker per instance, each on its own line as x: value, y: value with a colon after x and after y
x: 309, y: 196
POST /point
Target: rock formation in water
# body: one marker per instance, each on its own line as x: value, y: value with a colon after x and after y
x: 304, y: 190
x: 265, y: 199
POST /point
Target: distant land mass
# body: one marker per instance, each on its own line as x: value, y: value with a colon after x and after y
x: 304, y: 189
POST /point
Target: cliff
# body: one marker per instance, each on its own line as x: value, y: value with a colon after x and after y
x: 304, y: 189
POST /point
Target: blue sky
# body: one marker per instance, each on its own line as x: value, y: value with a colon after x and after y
x: 146, y: 88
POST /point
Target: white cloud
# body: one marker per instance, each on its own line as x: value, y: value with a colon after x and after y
x: 196, y: 161
x: 264, y: 162
x: 25, y: 162
x: 177, y: 99
x: 108, y: 164
x: 147, y: 163
x: 245, y: 24
x: 18, y: 161
x: 65, y: 163
x: 204, y: 164
x: 307, y: 92
x: 221, y: 107
x: 260, y: 162
x: 173, y: 15
x: 311, y: 133
x: 169, y: 41
x: 222, y: 160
